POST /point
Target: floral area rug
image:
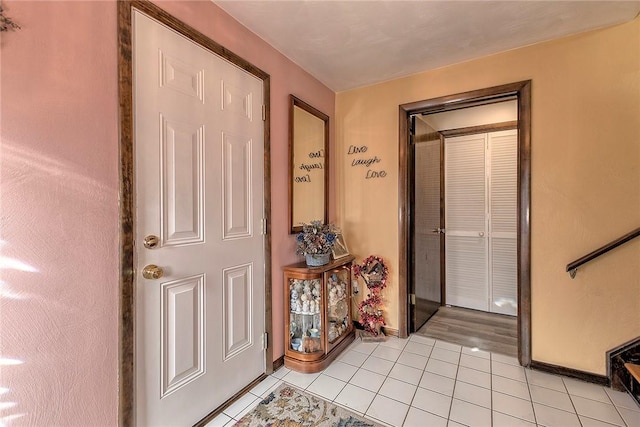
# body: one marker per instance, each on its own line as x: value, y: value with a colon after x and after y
x: 289, y: 407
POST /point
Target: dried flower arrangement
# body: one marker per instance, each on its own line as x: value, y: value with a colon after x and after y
x: 316, y: 238
x: 7, y: 23
x: 374, y: 273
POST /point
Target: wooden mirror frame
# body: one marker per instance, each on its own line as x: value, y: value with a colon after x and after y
x: 298, y: 103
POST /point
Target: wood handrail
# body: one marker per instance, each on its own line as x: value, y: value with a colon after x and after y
x: 573, y: 266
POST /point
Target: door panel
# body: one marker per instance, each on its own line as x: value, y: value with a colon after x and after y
x: 182, y: 179
x: 503, y: 213
x: 426, y: 239
x: 182, y: 332
x: 465, y: 222
x: 199, y: 140
x: 504, y: 275
x: 237, y: 309
x: 465, y: 185
x: 466, y: 270
x: 237, y: 186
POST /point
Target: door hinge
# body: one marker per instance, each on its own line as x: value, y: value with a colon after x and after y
x: 263, y: 225
x: 413, y: 299
x: 264, y: 113
x: 265, y: 341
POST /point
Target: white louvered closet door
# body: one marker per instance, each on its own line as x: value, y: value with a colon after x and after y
x: 503, y: 221
x: 466, y: 222
x: 481, y: 221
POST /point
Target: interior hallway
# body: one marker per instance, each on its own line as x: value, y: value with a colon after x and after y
x: 491, y: 332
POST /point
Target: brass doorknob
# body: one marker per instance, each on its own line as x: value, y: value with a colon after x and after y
x: 151, y: 241
x: 152, y: 271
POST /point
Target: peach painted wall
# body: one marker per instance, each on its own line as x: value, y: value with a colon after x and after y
x: 59, y: 200
x: 585, y: 181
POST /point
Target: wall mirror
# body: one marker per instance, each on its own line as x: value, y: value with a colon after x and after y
x: 308, y: 166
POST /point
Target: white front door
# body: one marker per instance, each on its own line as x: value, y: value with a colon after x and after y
x: 199, y: 138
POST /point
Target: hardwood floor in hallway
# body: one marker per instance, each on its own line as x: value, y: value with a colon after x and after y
x: 496, y: 333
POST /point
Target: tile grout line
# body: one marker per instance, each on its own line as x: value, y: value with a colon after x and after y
x: 376, y: 393
x: 575, y: 411
x: 615, y: 407
x: 453, y: 392
x: 385, y: 379
x: 533, y: 408
x: 491, y: 383
x: 415, y: 391
x: 573, y: 405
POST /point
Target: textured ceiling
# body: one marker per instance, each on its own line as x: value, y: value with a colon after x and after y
x: 348, y: 44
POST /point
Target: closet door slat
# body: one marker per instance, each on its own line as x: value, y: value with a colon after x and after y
x: 465, y: 222
x: 503, y: 220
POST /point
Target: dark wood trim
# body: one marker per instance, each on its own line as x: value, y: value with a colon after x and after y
x: 170, y: 21
x: 604, y: 249
x: 465, y: 99
x: 390, y: 332
x: 571, y: 373
x: 211, y: 415
x: 521, y: 90
x: 126, y: 327
x: 126, y: 324
x: 524, y: 223
x: 472, y: 130
x: 278, y: 363
x: 290, y: 164
x: 294, y: 101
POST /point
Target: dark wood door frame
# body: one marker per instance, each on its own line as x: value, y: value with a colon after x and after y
x: 127, y: 307
x: 522, y: 90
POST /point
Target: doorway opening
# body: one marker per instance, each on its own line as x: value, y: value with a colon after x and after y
x: 499, y: 247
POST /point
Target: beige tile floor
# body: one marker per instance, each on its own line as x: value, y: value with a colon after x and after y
x: 419, y: 382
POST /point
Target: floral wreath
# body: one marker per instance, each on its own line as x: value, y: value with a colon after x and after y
x: 373, y: 279
x: 374, y: 273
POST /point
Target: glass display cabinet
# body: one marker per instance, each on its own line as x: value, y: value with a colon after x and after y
x: 318, y: 319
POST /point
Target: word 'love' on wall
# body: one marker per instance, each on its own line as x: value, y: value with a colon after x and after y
x: 365, y: 160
